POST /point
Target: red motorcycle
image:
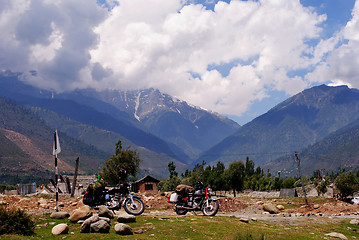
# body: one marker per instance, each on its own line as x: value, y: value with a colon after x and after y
x: 187, y: 199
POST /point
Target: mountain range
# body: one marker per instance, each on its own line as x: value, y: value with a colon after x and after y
x: 163, y: 129
x: 97, y: 119
x: 298, y: 122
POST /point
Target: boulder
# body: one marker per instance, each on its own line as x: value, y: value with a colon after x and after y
x: 80, y: 213
x: 85, y: 226
x: 271, y: 208
x: 59, y: 215
x: 100, y: 226
x: 246, y: 220
x: 123, y: 229
x: 280, y: 207
x: 61, y: 228
x: 125, y: 218
x: 106, y: 219
x: 103, y: 211
x: 354, y: 221
x: 42, y: 201
x: 337, y: 235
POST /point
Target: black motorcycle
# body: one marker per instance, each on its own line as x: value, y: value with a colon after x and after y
x: 114, y: 198
x: 200, y: 200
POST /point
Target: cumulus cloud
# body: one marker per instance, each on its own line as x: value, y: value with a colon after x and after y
x: 176, y: 46
x: 339, y: 56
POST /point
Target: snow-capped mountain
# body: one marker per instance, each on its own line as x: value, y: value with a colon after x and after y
x: 192, y: 129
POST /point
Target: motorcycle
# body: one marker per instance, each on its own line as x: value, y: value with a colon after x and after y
x: 115, y: 197
x: 199, y: 200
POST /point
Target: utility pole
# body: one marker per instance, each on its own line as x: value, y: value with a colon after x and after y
x: 75, y: 177
x: 300, y: 175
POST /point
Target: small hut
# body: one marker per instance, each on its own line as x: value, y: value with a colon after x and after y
x: 147, y: 184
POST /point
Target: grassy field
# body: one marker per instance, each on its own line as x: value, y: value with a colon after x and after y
x: 200, y: 227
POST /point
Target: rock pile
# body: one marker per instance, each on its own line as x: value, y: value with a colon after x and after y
x: 94, y: 222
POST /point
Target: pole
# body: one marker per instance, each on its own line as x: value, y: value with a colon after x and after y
x: 300, y: 175
x: 56, y: 173
x: 75, y: 177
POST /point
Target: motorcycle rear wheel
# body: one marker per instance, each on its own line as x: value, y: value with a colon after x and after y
x: 135, y: 207
x: 181, y: 211
x: 211, y: 209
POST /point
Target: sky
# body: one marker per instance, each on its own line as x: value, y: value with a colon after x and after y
x: 238, y: 58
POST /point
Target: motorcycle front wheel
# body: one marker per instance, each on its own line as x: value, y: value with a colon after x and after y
x: 134, y: 207
x: 211, y: 209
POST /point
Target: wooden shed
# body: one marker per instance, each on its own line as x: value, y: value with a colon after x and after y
x: 147, y: 184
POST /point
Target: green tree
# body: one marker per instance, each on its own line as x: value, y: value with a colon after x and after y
x: 249, y: 171
x: 122, y: 159
x: 288, y: 183
x: 347, y: 183
x: 235, y: 176
x: 172, y: 169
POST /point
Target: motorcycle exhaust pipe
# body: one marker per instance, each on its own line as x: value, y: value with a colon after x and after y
x: 183, y: 207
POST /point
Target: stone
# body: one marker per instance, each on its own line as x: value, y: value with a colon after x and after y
x: 246, y: 220
x: 103, y: 211
x: 125, y: 218
x: 337, y: 235
x: 42, y: 201
x: 123, y: 229
x: 271, y: 208
x: 316, y: 206
x: 140, y: 231
x: 105, y: 219
x: 254, y: 219
x: 80, y: 213
x: 100, y: 226
x: 280, y: 207
x: 85, y: 226
x: 59, y: 215
x: 354, y: 221
x: 259, y: 203
x: 61, y: 228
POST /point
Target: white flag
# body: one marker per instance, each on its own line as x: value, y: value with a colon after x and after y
x: 56, y: 146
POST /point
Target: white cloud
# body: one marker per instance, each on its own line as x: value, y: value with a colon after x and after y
x: 165, y: 45
x: 340, y: 67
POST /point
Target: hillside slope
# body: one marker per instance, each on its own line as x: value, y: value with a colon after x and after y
x: 154, y: 163
x: 301, y: 120
x: 26, y: 146
x: 337, y: 151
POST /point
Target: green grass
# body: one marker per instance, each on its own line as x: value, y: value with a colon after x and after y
x: 200, y: 227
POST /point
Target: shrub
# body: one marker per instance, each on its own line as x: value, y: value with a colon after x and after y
x: 15, y: 221
x: 347, y: 184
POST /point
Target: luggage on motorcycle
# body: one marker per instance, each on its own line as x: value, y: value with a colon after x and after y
x: 173, y: 198
x: 87, y: 199
x: 184, y: 189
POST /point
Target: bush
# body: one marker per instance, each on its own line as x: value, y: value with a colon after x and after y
x: 15, y: 221
x: 346, y: 183
x: 288, y: 183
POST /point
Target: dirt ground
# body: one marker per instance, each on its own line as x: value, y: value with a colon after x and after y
x: 41, y: 203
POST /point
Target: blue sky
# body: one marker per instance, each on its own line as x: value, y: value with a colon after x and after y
x: 238, y: 58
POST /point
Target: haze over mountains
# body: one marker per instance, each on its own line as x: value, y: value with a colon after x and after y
x: 316, y: 122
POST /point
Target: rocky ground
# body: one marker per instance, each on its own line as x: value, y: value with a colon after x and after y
x: 245, y: 206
